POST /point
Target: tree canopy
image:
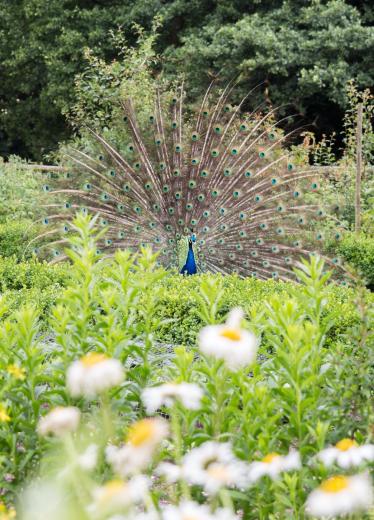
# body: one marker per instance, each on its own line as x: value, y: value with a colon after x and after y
x: 304, y: 51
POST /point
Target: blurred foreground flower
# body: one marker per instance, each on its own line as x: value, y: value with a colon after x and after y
x: 273, y: 465
x: 59, y: 421
x: 47, y: 499
x: 191, y: 511
x: 189, y: 394
x: 5, y: 513
x: 347, y: 453
x: 16, y: 371
x: 117, y: 496
x: 340, y: 495
x: 142, y: 439
x: 214, y: 466
x: 88, y: 459
x: 236, y: 346
x: 93, y: 374
x: 4, y: 417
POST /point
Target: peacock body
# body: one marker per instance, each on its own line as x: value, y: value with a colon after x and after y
x: 211, y: 190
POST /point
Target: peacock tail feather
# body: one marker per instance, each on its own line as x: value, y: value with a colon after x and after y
x: 214, y: 171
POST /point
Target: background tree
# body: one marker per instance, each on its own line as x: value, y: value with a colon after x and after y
x: 305, y: 51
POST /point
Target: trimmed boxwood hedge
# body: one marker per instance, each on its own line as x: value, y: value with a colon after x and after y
x: 41, y: 283
x: 31, y: 281
x: 358, y: 251
x: 179, y: 304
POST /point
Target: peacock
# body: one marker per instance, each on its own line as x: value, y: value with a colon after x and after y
x: 211, y: 188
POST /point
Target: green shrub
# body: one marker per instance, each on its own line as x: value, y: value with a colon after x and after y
x: 105, y: 361
x: 31, y: 282
x: 15, y: 236
x: 358, y: 251
x: 21, y: 194
x: 30, y: 274
x: 183, y: 321
x: 42, y: 300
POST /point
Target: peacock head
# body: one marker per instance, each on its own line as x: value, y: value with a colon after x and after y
x: 192, y: 238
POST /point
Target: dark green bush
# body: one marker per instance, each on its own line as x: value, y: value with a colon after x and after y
x: 180, y: 307
x: 43, y: 300
x: 31, y: 281
x: 358, y: 251
x: 30, y: 274
x: 21, y: 193
x: 41, y: 283
x: 15, y: 236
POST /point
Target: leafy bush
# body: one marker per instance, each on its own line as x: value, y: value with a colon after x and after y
x: 43, y: 300
x: 181, y: 312
x: 21, y: 194
x: 15, y: 236
x: 105, y: 370
x: 31, y: 283
x: 358, y: 251
x: 16, y: 275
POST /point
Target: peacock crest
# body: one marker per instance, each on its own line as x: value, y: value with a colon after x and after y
x: 214, y: 173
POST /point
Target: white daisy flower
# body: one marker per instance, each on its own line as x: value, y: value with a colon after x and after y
x: 273, y: 465
x: 340, y: 495
x: 189, y: 394
x: 214, y: 466
x: 88, y: 459
x: 171, y: 472
x: 93, y: 374
x: 236, y: 346
x: 45, y: 499
x: 117, y: 495
x: 189, y: 510
x: 143, y: 438
x: 59, y: 421
x: 347, y: 453
x: 137, y: 516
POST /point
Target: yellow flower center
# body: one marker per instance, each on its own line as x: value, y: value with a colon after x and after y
x: 141, y: 432
x: 16, y: 371
x: 232, y: 334
x: 111, y: 489
x: 270, y: 457
x: 93, y: 358
x: 345, y: 444
x: 335, y: 484
x: 218, y: 471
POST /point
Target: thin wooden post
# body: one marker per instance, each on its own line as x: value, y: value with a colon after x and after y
x: 358, y: 169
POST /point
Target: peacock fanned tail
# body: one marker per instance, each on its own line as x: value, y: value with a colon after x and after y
x: 221, y: 175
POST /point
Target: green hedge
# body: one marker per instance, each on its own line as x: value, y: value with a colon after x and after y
x: 179, y: 304
x: 31, y: 281
x: 358, y: 251
x: 40, y: 283
x: 30, y: 274
x: 15, y: 236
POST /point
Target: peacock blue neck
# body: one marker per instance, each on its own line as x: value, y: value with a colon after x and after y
x: 190, y: 265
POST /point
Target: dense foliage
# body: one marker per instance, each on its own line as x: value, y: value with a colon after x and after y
x: 358, y: 251
x: 115, y: 375
x: 40, y: 283
x: 178, y: 298
x: 21, y: 195
x: 298, y: 396
x: 304, y: 53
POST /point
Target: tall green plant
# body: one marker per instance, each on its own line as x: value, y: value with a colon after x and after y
x: 120, y: 423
